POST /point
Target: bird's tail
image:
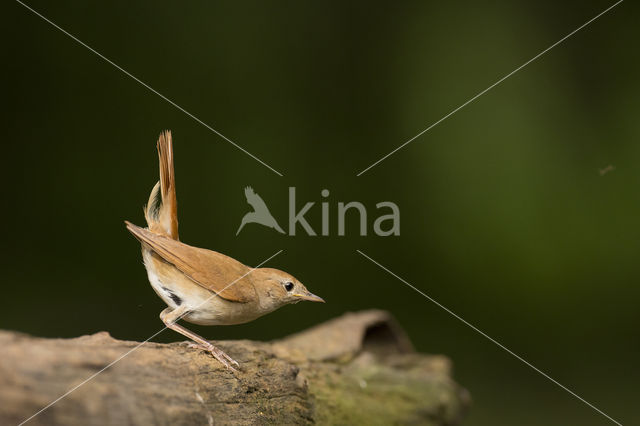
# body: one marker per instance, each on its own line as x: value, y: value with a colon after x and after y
x: 161, y: 211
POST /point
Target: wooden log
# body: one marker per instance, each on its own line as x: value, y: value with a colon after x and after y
x: 359, y: 368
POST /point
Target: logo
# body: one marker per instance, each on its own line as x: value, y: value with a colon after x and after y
x: 260, y: 213
x: 384, y: 225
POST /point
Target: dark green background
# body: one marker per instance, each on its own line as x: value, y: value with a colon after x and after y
x: 505, y: 218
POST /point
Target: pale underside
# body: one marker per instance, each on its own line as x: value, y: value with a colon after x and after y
x: 213, y: 271
x: 205, y: 307
x: 216, y: 289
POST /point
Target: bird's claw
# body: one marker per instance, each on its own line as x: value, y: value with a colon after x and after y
x: 218, y: 354
x: 225, y: 359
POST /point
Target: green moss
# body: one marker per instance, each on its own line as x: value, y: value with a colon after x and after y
x: 372, y: 394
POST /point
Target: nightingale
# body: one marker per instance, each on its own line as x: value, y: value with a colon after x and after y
x: 199, y: 285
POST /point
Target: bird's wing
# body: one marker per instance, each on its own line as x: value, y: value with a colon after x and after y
x: 255, y: 200
x: 214, y: 271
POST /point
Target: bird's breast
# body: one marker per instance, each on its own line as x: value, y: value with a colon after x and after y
x: 205, y: 307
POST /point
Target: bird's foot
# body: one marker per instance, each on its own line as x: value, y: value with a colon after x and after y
x: 218, y: 354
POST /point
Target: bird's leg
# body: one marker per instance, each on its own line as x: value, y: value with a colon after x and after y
x: 169, y: 317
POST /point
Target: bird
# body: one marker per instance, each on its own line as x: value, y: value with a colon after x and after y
x: 198, y: 285
x: 260, y: 213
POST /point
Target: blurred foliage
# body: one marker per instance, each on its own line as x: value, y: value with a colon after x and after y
x: 506, y: 219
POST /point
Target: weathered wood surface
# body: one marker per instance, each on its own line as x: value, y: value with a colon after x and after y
x: 356, y: 369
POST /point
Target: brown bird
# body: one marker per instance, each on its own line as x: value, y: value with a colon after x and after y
x: 198, y: 285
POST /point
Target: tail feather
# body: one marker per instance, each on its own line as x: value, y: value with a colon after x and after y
x: 161, y: 211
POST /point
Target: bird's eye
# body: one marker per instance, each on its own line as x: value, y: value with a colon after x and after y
x: 288, y: 286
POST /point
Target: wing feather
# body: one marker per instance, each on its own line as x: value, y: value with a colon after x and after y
x: 211, y: 270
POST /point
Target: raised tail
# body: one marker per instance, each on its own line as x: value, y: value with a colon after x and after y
x: 161, y: 211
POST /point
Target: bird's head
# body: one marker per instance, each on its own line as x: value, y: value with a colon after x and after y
x: 277, y: 288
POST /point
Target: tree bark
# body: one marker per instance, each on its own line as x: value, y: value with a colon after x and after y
x: 359, y: 368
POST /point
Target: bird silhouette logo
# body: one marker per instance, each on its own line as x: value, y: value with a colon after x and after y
x: 260, y: 213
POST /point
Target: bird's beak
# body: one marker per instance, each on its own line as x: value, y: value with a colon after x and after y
x: 310, y: 297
